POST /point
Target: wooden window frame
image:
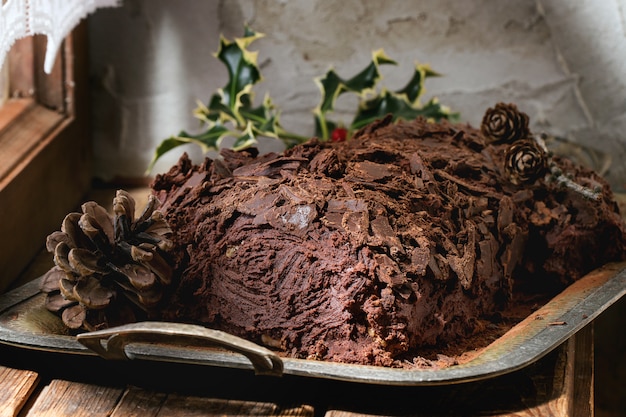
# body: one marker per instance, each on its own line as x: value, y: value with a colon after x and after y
x: 45, y: 147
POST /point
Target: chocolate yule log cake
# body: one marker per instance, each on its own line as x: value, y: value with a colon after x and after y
x: 408, y: 235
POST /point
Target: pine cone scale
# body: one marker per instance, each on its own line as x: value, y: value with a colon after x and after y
x: 85, y: 262
x: 57, y: 302
x: 91, y: 294
x: 74, y: 316
x: 140, y: 278
x: 54, y: 239
x: 71, y: 228
x: 67, y: 288
x: 100, y: 218
x: 51, y: 279
x: 61, y: 254
x: 149, y: 210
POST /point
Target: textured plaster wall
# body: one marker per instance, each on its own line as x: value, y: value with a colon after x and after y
x: 561, y: 61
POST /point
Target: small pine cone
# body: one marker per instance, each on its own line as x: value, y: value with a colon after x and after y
x: 525, y: 162
x: 108, y: 269
x: 504, y: 124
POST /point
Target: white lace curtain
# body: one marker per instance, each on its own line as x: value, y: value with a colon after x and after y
x: 53, y: 18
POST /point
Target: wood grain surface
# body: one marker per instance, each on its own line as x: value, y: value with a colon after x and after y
x: 16, y: 387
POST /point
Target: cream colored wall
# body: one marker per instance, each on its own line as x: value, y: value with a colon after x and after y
x: 561, y: 61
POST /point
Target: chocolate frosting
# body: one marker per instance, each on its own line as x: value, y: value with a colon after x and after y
x: 408, y: 235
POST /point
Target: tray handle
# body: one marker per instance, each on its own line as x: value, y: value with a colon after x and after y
x: 264, y: 361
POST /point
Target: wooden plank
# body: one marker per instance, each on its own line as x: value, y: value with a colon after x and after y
x: 139, y: 403
x: 178, y: 405
x: 64, y: 398
x: 553, y: 391
x: 340, y: 413
x: 16, y: 387
x: 39, y: 265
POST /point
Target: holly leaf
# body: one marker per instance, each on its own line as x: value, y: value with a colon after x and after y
x: 367, y: 79
x: 208, y: 140
x: 234, y: 102
x: 245, y: 140
x: 215, y: 112
x: 398, y: 106
x: 265, y: 120
x: 414, y: 89
x: 243, y: 73
x: 403, y: 103
x: 332, y: 86
x: 260, y: 116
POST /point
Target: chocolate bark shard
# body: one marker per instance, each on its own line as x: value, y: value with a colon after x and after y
x: 383, y: 234
x: 464, y: 265
x: 270, y: 168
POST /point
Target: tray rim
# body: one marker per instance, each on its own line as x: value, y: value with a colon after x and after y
x: 528, y: 341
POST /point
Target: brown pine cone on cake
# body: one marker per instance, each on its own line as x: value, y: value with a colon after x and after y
x: 504, y: 123
x: 525, y: 162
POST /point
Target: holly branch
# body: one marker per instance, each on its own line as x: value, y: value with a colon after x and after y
x: 230, y: 112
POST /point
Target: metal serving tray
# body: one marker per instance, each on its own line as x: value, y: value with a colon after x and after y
x: 25, y: 323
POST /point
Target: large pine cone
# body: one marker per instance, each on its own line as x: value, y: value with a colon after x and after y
x: 504, y: 123
x: 109, y: 270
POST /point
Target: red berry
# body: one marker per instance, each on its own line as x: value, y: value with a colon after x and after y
x: 339, y: 134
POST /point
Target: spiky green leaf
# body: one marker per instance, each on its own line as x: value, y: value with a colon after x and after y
x: 332, y: 86
x: 164, y: 147
x: 265, y: 122
x: 207, y: 140
x: 414, y: 89
x: 247, y: 139
x: 259, y: 115
x: 241, y: 65
x: 397, y: 105
x: 215, y: 112
x: 367, y: 79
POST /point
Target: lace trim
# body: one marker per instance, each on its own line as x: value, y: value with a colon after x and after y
x: 53, y: 18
